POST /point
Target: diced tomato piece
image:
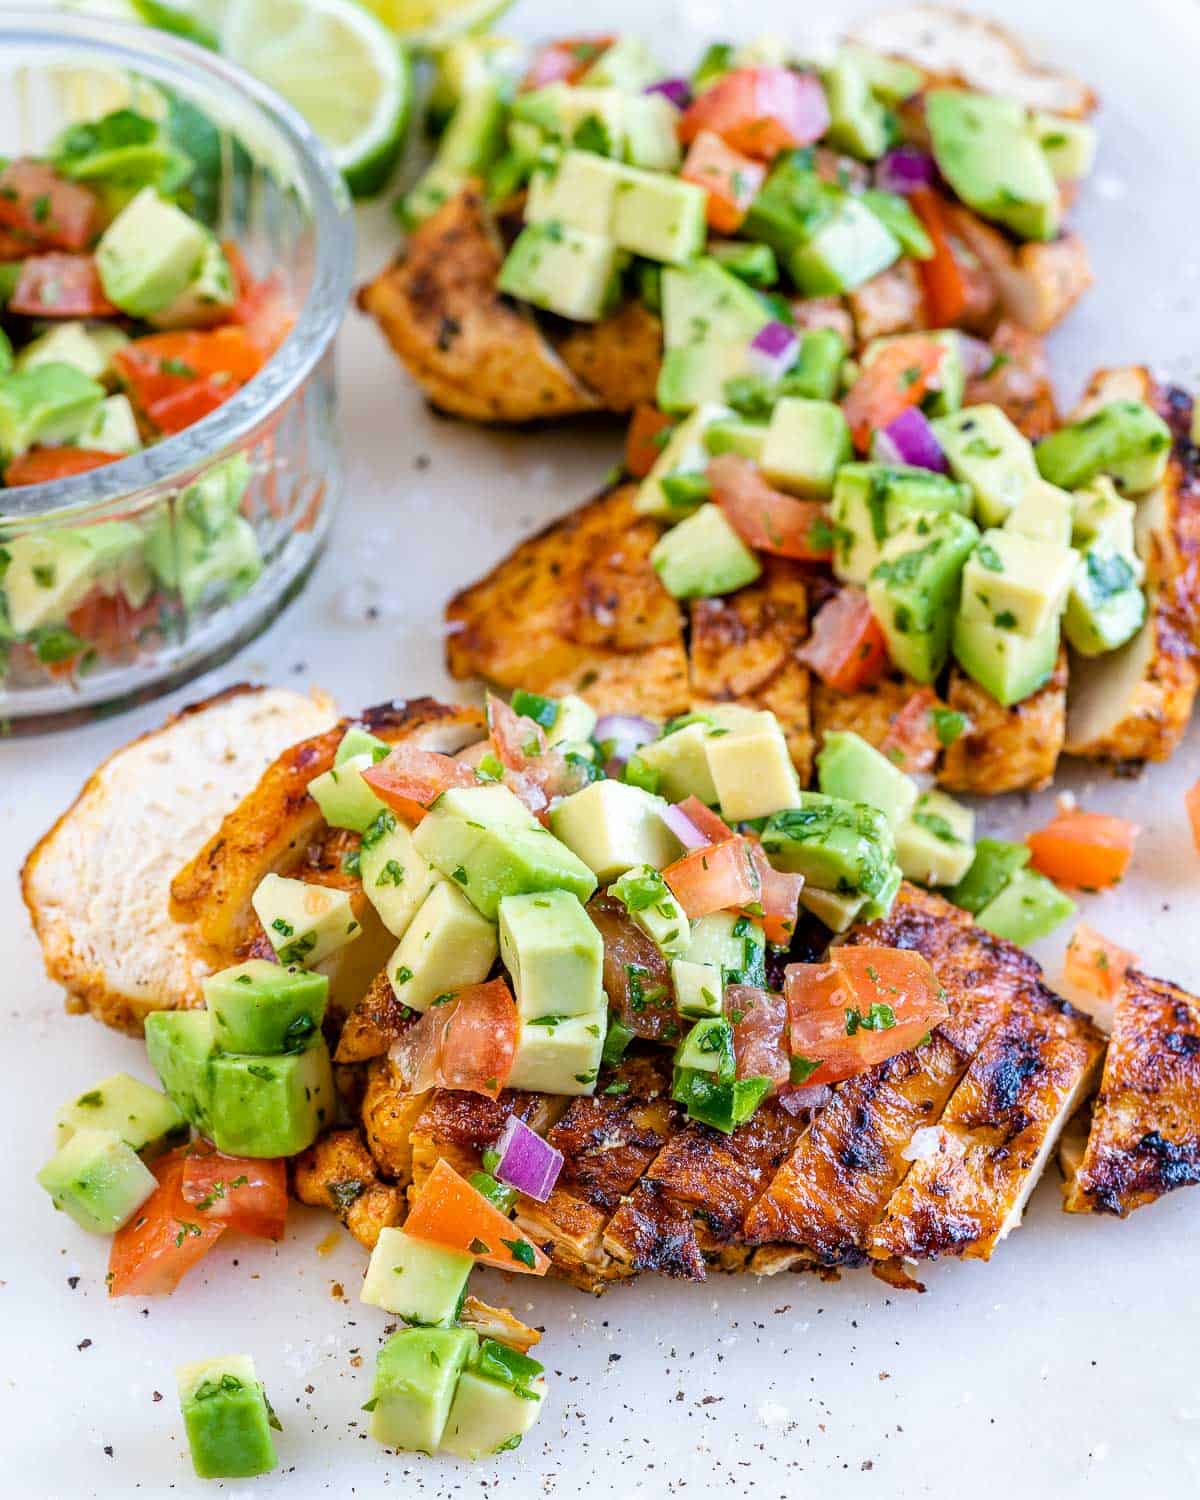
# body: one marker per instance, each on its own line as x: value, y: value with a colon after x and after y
x: 566, y: 60
x: 764, y: 517
x: 1095, y: 966
x: 911, y: 741
x: 245, y: 1193
x: 111, y: 625
x: 59, y: 285
x: 40, y: 465
x: 1086, y: 850
x: 532, y: 772
x: 847, y: 648
x: 779, y: 897
x: 642, y: 442
x: 51, y: 212
x: 467, y: 1041
x: 721, y: 877
x: 449, y: 1211
x: 637, y: 979
x: 941, y: 275
x: 760, y: 1032
x: 192, y: 404
x: 760, y: 111
x: 704, y: 820
x: 164, y: 364
x: 863, y: 1006
x: 410, y: 780
x: 164, y: 1239
x: 730, y: 179
x: 1191, y: 802
x: 897, y: 378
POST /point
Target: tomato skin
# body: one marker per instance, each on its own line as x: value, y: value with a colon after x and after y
x: 60, y: 285
x: 730, y: 179
x: 779, y: 897
x: 171, y: 414
x: 263, y: 308
x: 163, y: 364
x: 248, y: 1194
x: 944, y: 283
x: 40, y: 465
x: 641, y: 450
x: 566, y: 60
x: 45, y: 209
x: 847, y: 648
x: 897, y: 378
x: 911, y: 740
x: 759, y: 111
x: 760, y: 1032
x: 1084, y: 850
x: 468, y: 1042
x: 164, y: 1239
x: 720, y: 877
x: 764, y: 517
x: 705, y: 821
x: 410, y: 780
x: 1095, y: 965
x: 449, y: 1211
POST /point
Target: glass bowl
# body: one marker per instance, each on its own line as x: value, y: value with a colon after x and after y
x: 220, y: 524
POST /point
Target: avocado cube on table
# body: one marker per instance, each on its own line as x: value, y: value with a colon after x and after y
x: 850, y: 768
x: 180, y: 1046
x: 652, y: 906
x: 271, y: 1106
x: 345, y: 799
x: 1044, y: 514
x: 699, y: 987
x: 848, y: 246
x: 1105, y: 607
x: 97, y: 1179
x: 837, y: 912
x: 659, y: 217
x: 871, y: 500
x: 1127, y: 440
x: 703, y: 557
x: 733, y: 944
x: 395, y: 877
x: 559, y: 1055
x: 807, y: 442
x: 490, y: 1416
x: 935, y: 845
x: 580, y: 190
x: 752, y: 769
x: 149, y: 253
x: 304, y: 922
x: 416, y: 1280
x: 144, y: 1117
x: 416, y: 1374
x: 612, y: 826
x: 1009, y: 666
x: 1016, y: 582
x: 686, y: 452
x: 914, y: 589
x: 261, y: 1007
x: 996, y: 862
x: 681, y: 761
x: 986, y: 451
x: 48, y: 403
x: 987, y: 149
x: 1103, y: 518
x: 227, y: 1417
x: 1029, y: 907
x: 492, y: 846
x: 837, y: 845
x: 553, y: 953
x: 564, y: 270
x: 448, y: 946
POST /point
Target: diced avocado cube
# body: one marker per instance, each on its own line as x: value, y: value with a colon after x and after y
x: 839, y: 846
x: 807, y: 442
x: 360, y: 741
x: 848, y: 246
x: 890, y: 77
x: 304, y: 922
x: 592, y: 118
x: 271, y: 1106
x: 612, y: 826
x: 752, y: 769
x: 97, y: 1179
x: 996, y: 862
x: 208, y: 297
x: 345, y: 799
x: 628, y: 64
x: 49, y: 572
x: 754, y: 264
x: 1044, y: 513
x: 395, y: 876
x: 652, y: 906
x: 708, y: 1048
x: 914, y: 589
x: 261, y: 1007
x: 893, y: 212
x: 685, y: 452
x: 1009, y: 666
x: 1127, y: 440
x: 699, y: 988
x: 659, y: 217
x: 935, y: 844
x: 574, y: 721
x: 145, y: 1118
x: 1103, y: 518
x: 470, y: 143
x: 1070, y: 145
x: 149, y: 253
x: 48, y: 403
x: 487, y: 841
x: 112, y: 428
x: 448, y: 945
x: 857, y: 120
x: 1017, y: 583
x: 489, y: 1416
x: 733, y: 944
x: 559, y: 1055
x: 724, y: 1106
x: 748, y: 439
x: 416, y: 1280
x: 227, y: 1417
x: 989, y: 152
x: 179, y: 1044
x: 680, y: 759
x: 817, y: 372
x: 565, y: 270
x: 880, y: 904
x: 88, y: 348
x: 580, y: 189
x: 703, y: 556
x: 986, y: 451
x: 200, y: 564
x: 651, y: 133
x: 871, y: 500
x: 851, y: 769
x: 1105, y: 607
x: 416, y: 1373
x: 554, y: 954
x: 709, y: 317
x: 837, y: 912
x: 1029, y: 907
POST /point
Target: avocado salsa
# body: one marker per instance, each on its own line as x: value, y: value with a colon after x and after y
x: 123, y: 321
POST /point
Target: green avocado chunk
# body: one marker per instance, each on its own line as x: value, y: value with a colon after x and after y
x: 853, y: 770
x: 97, y: 1179
x: 1106, y: 605
x: 416, y: 1374
x: 703, y: 556
x: 179, y: 1044
x: 418, y: 1281
x: 1009, y: 666
x: 1029, y: 907
x: 491, y: 1416
x: 271, y: 1106
x: 871, y: 500
x: 914, y: 589
x: 227, y: 1417
x: 986, y: 148
x: 996, y: 862
x: 858, y: 122
x: 262, y: 1007
x: 47, y: 403
x: 1127, y: 440
x: 145, y: 1118
x: 149, y: 253
x: 818, y: 368
x: 836, y: 845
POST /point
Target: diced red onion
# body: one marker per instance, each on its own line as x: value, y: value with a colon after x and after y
x: 625, y: 733
x: 910, y: 440
x: 904, y: 168
x: 773, y: 350
x: 977, y: 356
x: 527, y: 1162
x: 677, y: 90
x: 795, y: 1098
x: 684, y: 829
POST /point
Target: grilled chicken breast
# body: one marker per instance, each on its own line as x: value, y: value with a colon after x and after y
x: 616, y: 359
x: 339, y: 1173
x: 1005, y: 749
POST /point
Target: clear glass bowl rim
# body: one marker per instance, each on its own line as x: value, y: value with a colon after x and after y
x: 176, y: 460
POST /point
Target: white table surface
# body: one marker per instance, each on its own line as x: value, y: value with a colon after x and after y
x: 1066, y: 1366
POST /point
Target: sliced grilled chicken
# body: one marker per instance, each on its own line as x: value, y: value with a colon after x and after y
x: 339, y: 1173
x: 1005, y: 749
x: 1017, y: 381
x: 1144, y: 1139
x: 869, y: 712
x: 892, y: 302
x: 617, y: 359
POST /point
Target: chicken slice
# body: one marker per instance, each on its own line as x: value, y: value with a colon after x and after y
x: 892, y: 302
x: 1005, y: 749
x: 617, y: 358
x: 1017, y: 381
x: 338, y: 1173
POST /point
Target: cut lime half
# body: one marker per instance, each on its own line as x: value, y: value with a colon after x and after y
x: 430, y: 24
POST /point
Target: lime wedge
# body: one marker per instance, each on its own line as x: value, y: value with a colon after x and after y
x: 430, y: 24
x: 199, y: 22
x: 335, y: 63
